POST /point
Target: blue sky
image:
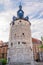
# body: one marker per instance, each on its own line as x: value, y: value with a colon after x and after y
x: 31, y: 8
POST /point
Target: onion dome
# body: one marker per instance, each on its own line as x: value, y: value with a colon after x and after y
x: 20, y: 12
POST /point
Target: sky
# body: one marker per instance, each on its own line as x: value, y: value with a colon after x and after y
x: 32, y: 8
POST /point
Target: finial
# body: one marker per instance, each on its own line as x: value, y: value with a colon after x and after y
x: 14, y: 18
x: 27, y: 18
x: 20, y: 6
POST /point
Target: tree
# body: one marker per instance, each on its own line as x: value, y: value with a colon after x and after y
x: 3, y: 61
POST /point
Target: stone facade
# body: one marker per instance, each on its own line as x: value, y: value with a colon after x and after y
x: 20, y: 43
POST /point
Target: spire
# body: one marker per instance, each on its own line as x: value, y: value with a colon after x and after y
x: 20, y: 6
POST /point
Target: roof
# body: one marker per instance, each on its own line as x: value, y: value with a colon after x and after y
x: 34, y: 40
x: 3, y: 43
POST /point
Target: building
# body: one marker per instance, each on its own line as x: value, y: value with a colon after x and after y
x: 3, y: 49
x: 41, y: 50
x: 36, y: 48
x: 20, y: 40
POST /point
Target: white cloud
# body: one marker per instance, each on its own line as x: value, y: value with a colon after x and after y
x: 37, y: 28
x: 30, y: 8
x: 1, y: 1
x: 5, y: 19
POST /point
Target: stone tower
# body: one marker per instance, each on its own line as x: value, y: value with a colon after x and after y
x: 20, y: 41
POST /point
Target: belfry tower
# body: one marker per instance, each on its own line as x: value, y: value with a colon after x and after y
x: 20, y: 40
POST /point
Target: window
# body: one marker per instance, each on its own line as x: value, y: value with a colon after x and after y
x: 19, y: 21
x: 18, y: 42
x: 22, y: 33
x: 2, y: 55
x: 12, y: 23
x: 8, y: 59
x: 3, y: 49
x: 23, y: 42
x: 15, y: 34
x: 11, y: 44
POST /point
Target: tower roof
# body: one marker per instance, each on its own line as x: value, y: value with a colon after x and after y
x: 20, y: 14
